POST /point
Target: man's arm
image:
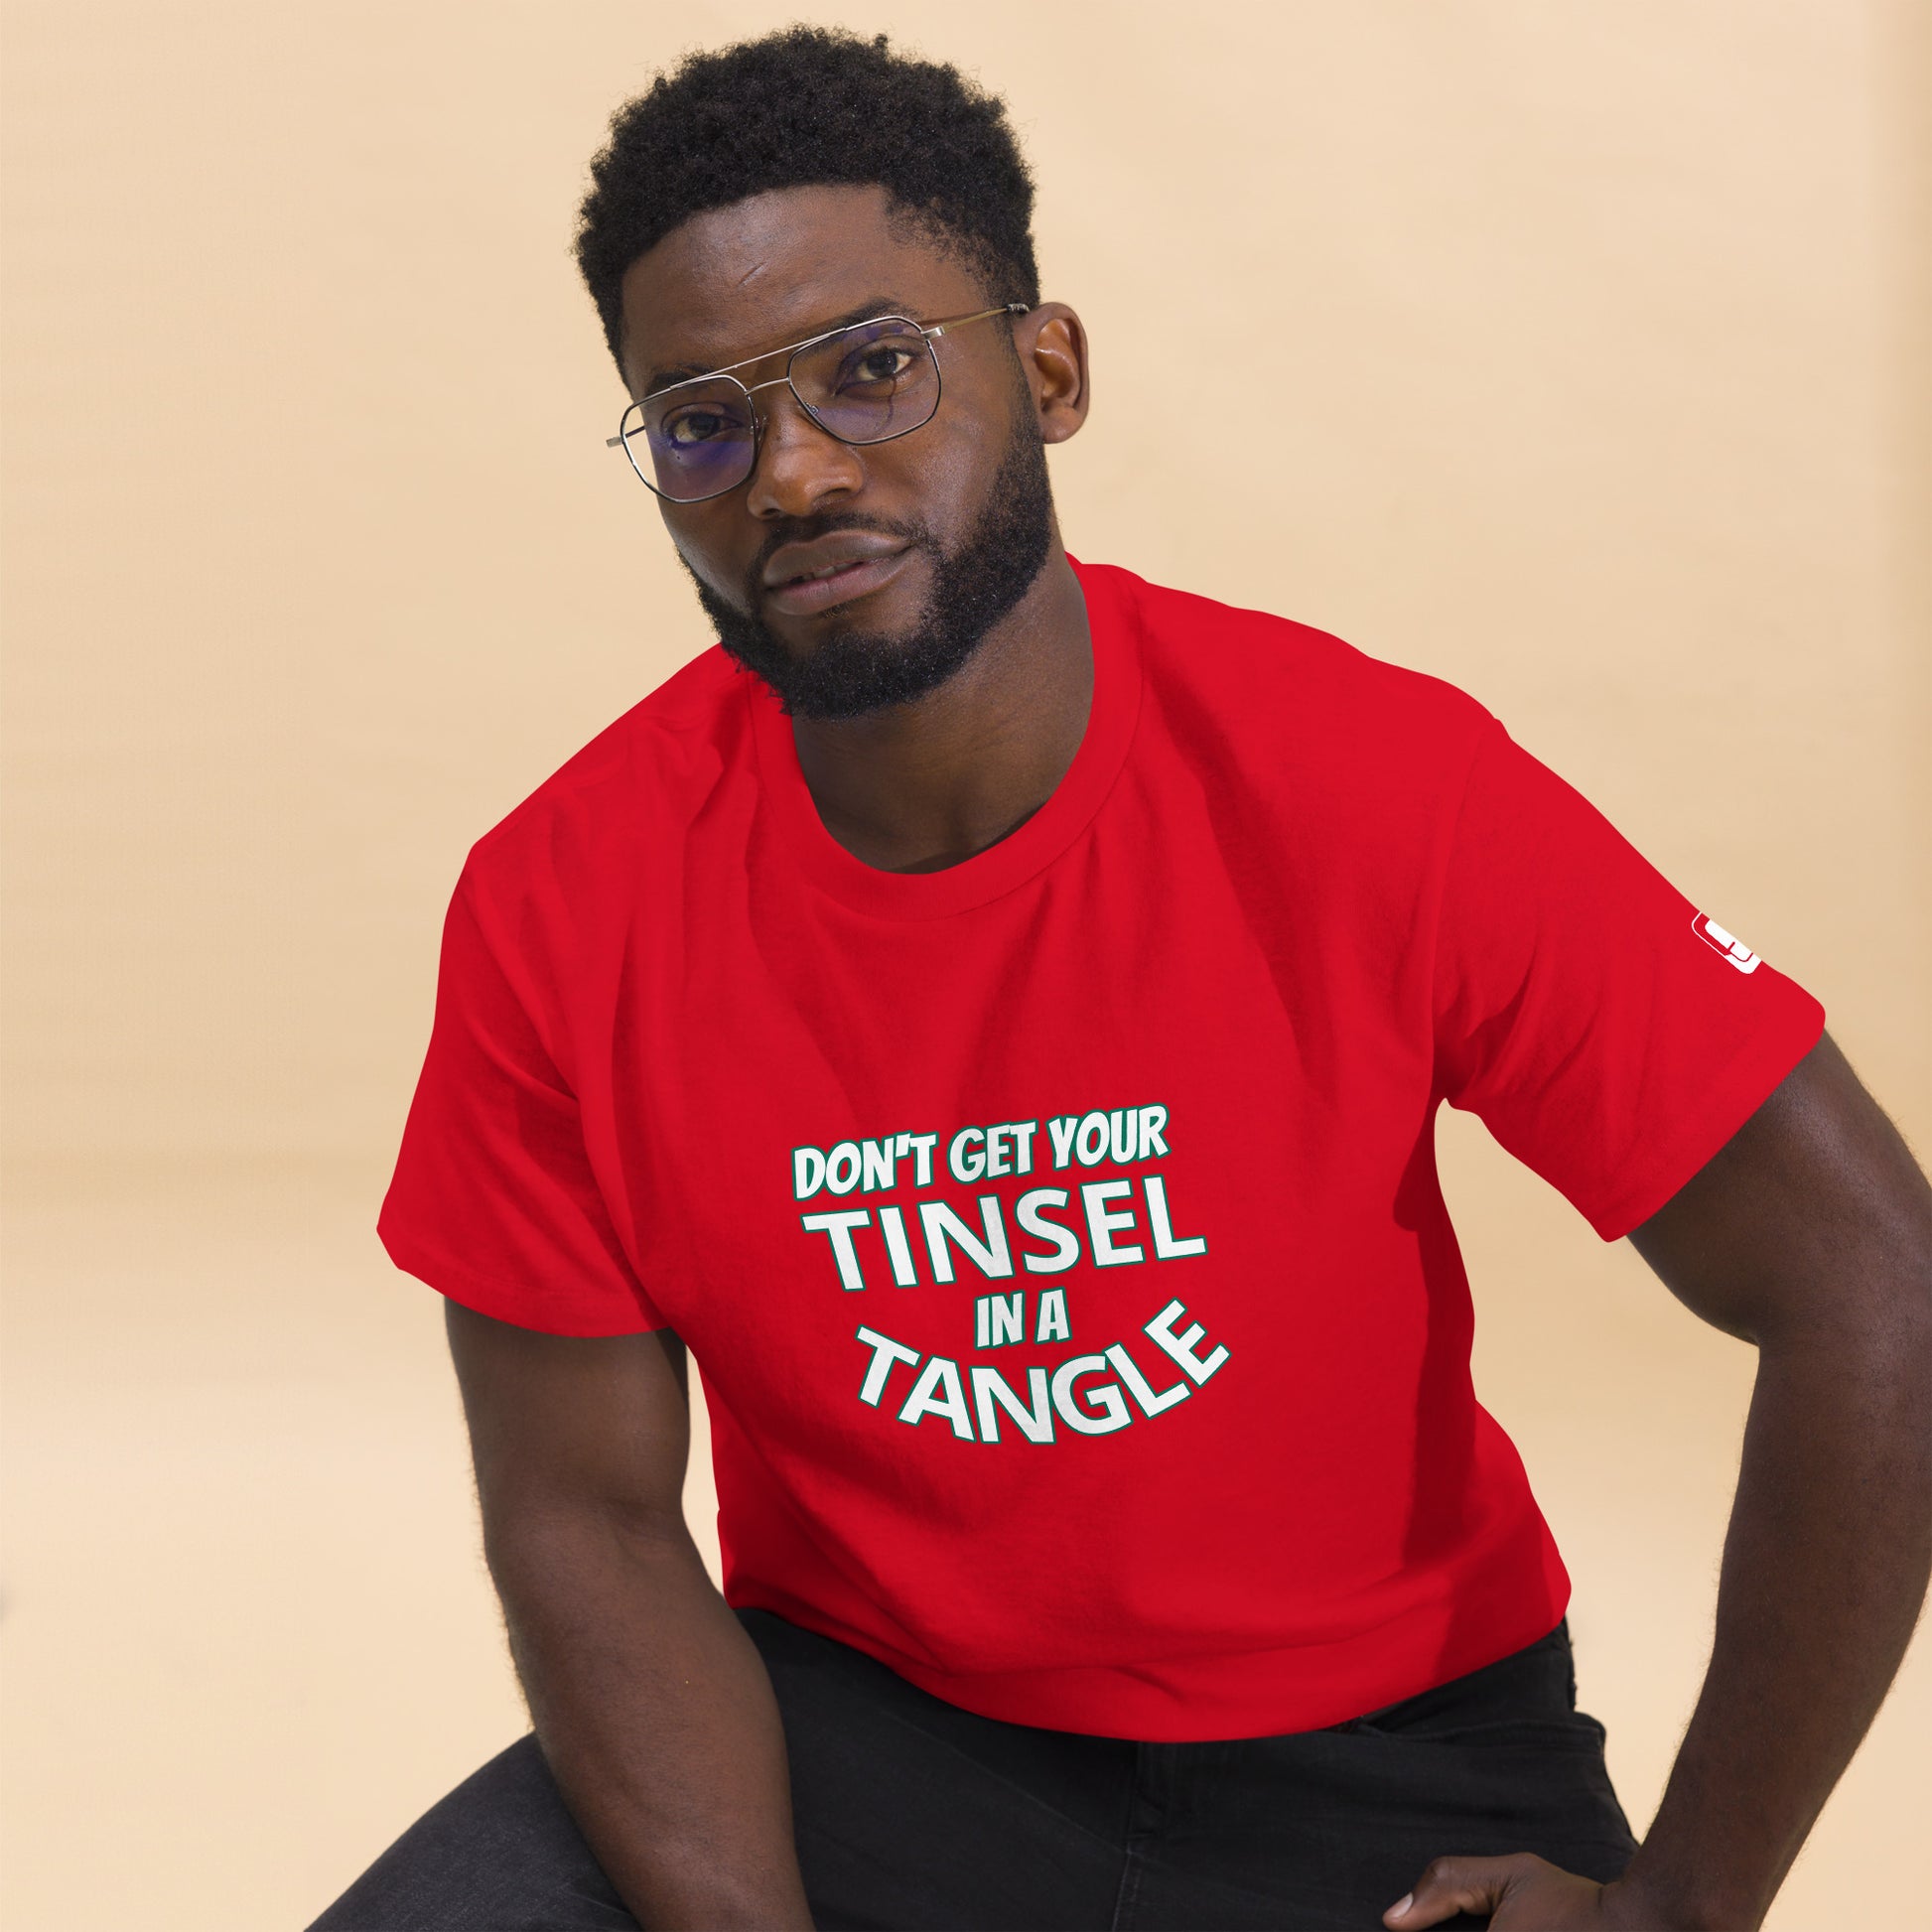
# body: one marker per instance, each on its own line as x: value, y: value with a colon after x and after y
x: 651, y: 1706
x: 1809, y: 1235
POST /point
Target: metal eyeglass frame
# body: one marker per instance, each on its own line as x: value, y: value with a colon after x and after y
x: 791, y: 352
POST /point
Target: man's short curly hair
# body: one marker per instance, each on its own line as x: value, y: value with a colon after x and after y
x: 798, y: 108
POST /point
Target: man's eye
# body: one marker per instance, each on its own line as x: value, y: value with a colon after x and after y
x: 884, y: 362
x: 694, y: 426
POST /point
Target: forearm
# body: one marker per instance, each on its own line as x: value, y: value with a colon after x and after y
x: 1825, y: 1568
x: 657, y: 1720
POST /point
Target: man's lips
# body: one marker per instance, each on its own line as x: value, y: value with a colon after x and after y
x: 804, y: 579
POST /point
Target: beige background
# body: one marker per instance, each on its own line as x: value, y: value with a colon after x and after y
x: 1592, y: 377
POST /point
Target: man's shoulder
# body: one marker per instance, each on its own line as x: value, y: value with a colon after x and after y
x: 641, y: 775
x: 1288, y: 689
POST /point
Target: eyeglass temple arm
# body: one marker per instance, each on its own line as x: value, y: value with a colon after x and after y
x: 938, y: 329
x: 960, y: 322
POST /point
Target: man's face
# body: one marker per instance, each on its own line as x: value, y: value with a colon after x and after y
x: 931, y: 538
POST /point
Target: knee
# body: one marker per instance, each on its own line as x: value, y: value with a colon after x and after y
x: 500, y: 1850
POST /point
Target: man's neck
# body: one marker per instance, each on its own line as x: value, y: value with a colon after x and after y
x: 918, y: 787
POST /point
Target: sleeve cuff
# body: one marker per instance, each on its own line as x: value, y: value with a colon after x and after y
x: 1746, y: 1083
x: 599, y: 1312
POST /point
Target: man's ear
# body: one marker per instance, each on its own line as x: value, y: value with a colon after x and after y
x: 1052, y: 347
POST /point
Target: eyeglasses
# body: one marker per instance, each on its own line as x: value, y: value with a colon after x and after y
x: 866, y: 382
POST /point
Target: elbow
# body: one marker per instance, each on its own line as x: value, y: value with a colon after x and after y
x: 1874, y: 1314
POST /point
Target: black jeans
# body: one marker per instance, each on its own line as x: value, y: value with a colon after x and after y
x: 913, y: 1813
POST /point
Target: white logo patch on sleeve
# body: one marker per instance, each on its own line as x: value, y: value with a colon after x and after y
x: 1735, y: 952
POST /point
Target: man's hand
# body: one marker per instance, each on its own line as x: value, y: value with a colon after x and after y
x: 1524, y: 1893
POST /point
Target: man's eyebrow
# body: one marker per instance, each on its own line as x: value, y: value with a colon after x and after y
x: 882, y: 305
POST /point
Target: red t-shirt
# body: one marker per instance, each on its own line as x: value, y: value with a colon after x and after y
x: 1058, y: 1234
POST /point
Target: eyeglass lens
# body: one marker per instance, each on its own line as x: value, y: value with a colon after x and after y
x: 865, y: 384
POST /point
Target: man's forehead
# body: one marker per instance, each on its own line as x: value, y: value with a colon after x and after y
x: 740, y: 281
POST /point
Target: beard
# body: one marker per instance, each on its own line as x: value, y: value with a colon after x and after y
x: 851, y: 670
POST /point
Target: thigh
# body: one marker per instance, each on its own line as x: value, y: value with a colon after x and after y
x: 499, y: 1854
x: 1332, y: 1830
x: 910, y: 1813
x: 1329, y: 1828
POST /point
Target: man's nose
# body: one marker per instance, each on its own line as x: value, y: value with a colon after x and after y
x: 800, y: 467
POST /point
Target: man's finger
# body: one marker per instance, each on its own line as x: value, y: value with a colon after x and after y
x: 1451, y: 1886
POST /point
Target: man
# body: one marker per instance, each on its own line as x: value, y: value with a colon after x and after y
x: 1000, y: 1037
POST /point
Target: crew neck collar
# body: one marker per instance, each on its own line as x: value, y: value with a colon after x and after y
x: 1017, y: 858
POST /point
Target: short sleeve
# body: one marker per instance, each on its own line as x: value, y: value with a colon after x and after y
x: 494, y: 1202
x: 1607, y: 1033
